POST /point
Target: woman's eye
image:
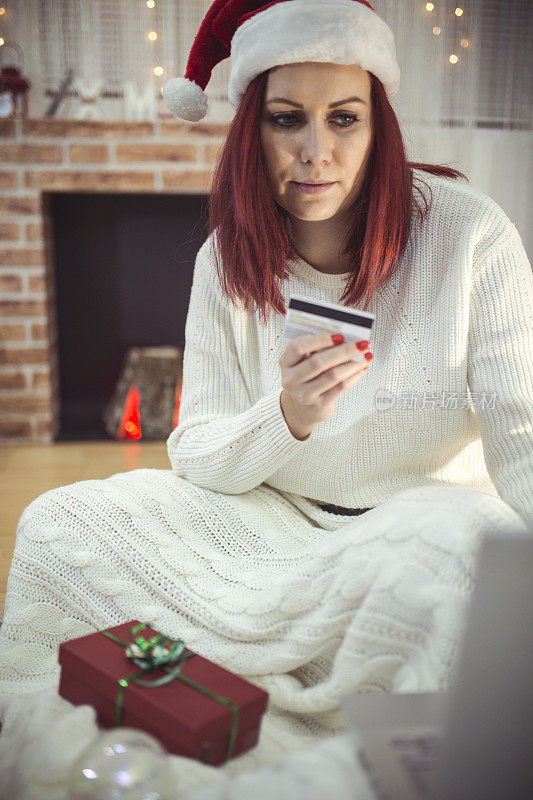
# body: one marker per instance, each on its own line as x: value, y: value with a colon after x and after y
x: 278, y: 120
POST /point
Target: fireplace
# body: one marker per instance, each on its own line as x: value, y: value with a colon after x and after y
x: 123, y: 272
x: 87, y: 173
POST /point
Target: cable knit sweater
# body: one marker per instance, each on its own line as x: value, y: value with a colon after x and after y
x: 447, y: 399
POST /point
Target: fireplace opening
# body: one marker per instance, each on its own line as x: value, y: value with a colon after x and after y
x: 123, y: 274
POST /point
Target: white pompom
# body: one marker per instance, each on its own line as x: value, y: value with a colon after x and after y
x: 185, y: 99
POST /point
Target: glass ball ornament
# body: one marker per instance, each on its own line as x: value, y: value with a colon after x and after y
x: 122, y: 764
x: 7, y: 105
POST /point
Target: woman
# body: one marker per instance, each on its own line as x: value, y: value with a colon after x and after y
x: 318, y: 529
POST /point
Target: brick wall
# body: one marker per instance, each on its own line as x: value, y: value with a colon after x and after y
x: 47, y: 155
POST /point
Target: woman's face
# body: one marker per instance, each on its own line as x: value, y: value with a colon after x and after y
x: 315, y: 142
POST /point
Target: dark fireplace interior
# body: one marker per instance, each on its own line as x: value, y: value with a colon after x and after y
x: 124, y: 267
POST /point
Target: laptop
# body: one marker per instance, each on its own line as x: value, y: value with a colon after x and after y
x: 474, y: 742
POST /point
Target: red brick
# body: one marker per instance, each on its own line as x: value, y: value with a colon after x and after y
x: 37, y: 283
x: 23, y: 153
x: 87, y: 128
x: 10, y: 283
x: 12, y: 333
x: 97, y: 181
x: 88, y: 154
x: 7, y: 128
x: 44, y: 428
x: 30, y: 204
x: 35, y: 231
x: 195, y: 179
x: 8, y: 178
x: 29, y: 355
x: 9, y: 232
x: 15, y: 428
x: 39, y: 332
x: 212, y: 153
x: 22, y: 308
x: 23, y: 404
x: 184, y: 128
x: 41, y: 380
x: 12, y: 380
x: 21, y: 257
x: 156, y: 152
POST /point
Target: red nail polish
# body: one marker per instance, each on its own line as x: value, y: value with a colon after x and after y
x: 369, y: 356
x: 362, y: 345
x: 337, y: 338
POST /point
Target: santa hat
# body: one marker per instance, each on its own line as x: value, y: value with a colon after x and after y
x: 259, y: 36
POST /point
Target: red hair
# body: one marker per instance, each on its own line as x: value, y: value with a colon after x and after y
x: 253, y: 240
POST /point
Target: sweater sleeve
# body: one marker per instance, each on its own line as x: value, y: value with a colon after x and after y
x: 500, y: 360
x: 222, y: 441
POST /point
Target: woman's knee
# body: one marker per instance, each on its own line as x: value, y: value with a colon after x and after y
x: 51, y: 496
x: 49, y: 506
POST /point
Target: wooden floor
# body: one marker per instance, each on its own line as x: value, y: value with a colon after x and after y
x: 26, y: 471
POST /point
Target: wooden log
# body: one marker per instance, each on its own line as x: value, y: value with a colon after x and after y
x: 156, y: 373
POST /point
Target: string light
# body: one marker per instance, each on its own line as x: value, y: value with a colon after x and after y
x: 158, y: 71
x: 152, y: 37
x: 452, y: 58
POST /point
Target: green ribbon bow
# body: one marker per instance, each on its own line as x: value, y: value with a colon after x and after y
x: 153, y: 655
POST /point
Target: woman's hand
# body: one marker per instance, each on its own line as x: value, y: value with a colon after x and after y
x: 313, y: 378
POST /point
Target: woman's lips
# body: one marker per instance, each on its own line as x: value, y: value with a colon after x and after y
x: 308, y: 188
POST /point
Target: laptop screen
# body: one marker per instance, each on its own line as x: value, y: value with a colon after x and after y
x: 488, y: 748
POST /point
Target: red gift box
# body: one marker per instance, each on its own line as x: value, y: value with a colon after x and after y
x: 186, y: 721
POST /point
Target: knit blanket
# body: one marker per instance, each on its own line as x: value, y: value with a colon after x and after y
x: 308, y: 605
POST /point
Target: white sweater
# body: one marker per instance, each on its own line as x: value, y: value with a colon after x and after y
x: 453, y: 326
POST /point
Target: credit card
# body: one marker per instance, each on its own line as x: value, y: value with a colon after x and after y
x: 305, y: 316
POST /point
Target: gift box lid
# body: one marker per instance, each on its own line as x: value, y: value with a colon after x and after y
x: 100, y: 662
